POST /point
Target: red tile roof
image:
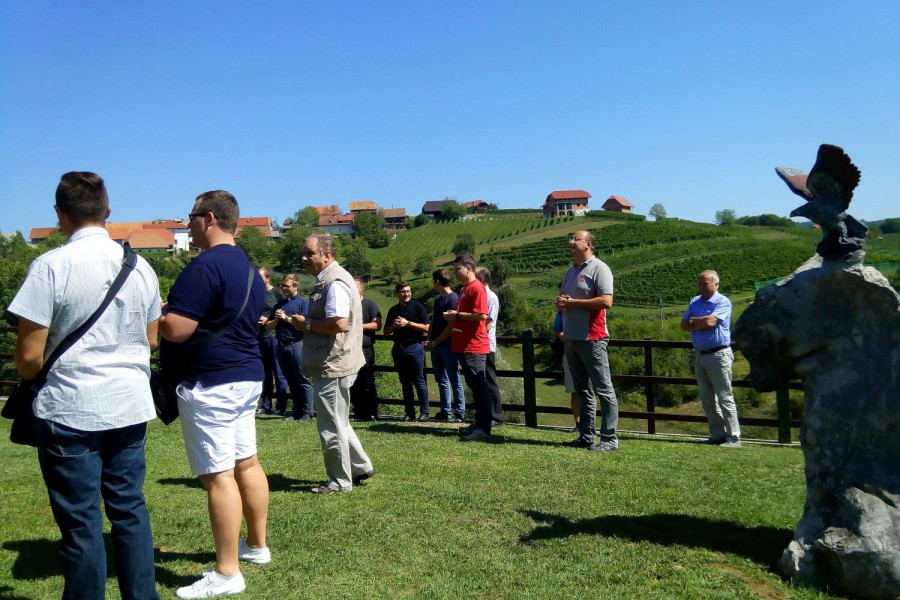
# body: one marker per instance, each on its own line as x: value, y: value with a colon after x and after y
x: 474, y: 204
x: 167, y: 224
x: 254, y: 222
x: 151, y: 238
x: 328, y: 210
x: 118, y: 233
x: 40, y: 233
x: 337, y: 220
x: 363, y: 205
x: 568, y: 195
x: 619, y: 200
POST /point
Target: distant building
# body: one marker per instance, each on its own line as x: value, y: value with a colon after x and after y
x: 179, y: 230
x: 263, y: 224
x: 152, y: 239
x: 618, y: 204
x: 39, y: 234
x: 394, y: 218
x: 475, y: 206
x: 336, y: 224
x: 433, y: 208
x: 328, y: 211
x: 363, y: 206
x: 562, y: 203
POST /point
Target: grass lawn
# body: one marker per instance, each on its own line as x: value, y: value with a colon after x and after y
x: 519, y: 517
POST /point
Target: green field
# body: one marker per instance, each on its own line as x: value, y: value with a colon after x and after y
x: 520, y: 517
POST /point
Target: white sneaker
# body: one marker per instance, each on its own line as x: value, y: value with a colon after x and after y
x: 213, y: 584
x: 257, y: 556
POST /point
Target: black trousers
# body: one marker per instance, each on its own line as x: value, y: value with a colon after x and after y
x: 363, y: 395
x: 493, y: 384
x: 474, y: 367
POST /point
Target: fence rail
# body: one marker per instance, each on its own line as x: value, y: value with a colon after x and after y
x: 529, y: 375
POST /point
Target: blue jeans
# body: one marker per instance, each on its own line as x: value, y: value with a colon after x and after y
x: 446, y: 374
x: 290, y: 357
x: 274, y: 383
x: 410, y: 363
x: 78, y: 468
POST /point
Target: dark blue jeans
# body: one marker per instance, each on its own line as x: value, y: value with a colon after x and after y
x: 474, y: 368
x: 79, y: 467
x: 274, y: 383
x: 410, y: 363
x: 290, y: 358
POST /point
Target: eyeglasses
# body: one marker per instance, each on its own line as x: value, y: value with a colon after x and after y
x: 192, y: 216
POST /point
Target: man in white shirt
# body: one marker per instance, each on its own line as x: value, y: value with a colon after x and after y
x: 484, y: 276
x: 92, y: 413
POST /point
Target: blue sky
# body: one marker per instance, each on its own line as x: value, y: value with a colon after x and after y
x: 689, y: 104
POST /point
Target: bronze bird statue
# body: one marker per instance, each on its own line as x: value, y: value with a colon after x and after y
x: 828, y: 189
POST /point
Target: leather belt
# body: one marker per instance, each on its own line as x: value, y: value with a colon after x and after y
x: 711, y: 350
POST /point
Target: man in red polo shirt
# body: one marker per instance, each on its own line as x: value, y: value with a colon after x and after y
x: 470, y: 342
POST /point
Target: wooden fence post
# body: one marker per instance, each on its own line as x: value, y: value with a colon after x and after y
x: 648, y: 387
x: 528, y: 378
x: 783, y: 403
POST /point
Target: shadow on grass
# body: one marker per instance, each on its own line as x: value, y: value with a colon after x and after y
x: 452, y: 432
x: 40, y: 559
x: 277, y: 483
x: 6, y: 594
x: 760, y: 544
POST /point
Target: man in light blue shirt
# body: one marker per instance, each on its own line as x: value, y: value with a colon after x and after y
x: 708, y: 318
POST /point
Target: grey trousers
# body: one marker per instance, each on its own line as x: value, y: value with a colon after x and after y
x: 589, y: 367
x: 344, y: 455
x: 714, y: 384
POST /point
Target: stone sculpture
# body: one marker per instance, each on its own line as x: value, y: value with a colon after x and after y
x: 835, y: 324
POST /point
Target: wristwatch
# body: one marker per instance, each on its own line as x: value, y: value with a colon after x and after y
x: 308, y: 324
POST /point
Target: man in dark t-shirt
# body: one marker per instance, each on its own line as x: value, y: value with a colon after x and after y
x: 444, y: 362
x: 290, y: 348
x: 407, y: 322
x: 274, y: 383
x: 363, y: 395
x: 217, y: 396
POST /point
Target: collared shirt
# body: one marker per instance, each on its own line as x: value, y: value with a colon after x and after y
x: 285, y: 331
x: 590, y: 279
x: 102, y: 382
x: 493, y: 313
x: 720, y: 335
x: 338, y: 297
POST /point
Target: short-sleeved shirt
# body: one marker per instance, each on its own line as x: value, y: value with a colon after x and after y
x: 210, y: 290
x: 284, y: 331
x: 590, y: 279
x: 411, y: 311
x: 338, y: 297
x: 272, y: 298
x: 720, y: 335
x: 493, y: 314
x: 370, y: 312
x: 103, y: 381
x: 470, y: 337
x: 438, y: 323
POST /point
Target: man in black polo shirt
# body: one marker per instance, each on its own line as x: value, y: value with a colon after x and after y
x: 407, y: 322
x: 290, y: 348
x: 363, y: 394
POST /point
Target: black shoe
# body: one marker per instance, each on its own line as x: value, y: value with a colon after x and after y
x: 441, y: 416
x: 263, y: 411
x: 460, y: 417
x: 279, y: 413
x: 304, y: 419
x: 359, y: 478
x: 496, y: 423
x: 578, y: 443
x: 409, y: 418
x: 424, y: 417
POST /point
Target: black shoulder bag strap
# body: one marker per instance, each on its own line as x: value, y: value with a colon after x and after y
x: 213, y: 336
x: 128, y: 263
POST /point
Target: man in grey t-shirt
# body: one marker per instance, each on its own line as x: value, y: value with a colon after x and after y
x: 585, y: 294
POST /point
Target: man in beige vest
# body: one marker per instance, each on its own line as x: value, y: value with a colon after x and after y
x: 332, y: 356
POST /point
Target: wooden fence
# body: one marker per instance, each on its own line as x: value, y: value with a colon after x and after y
x: 529, y: 376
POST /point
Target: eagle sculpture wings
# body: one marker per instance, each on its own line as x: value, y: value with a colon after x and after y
x: 828, y: 189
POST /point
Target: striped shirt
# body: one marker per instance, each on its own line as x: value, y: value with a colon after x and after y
x: 102, y: 382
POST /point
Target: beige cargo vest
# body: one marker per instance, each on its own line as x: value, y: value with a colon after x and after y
x: 333, y: 355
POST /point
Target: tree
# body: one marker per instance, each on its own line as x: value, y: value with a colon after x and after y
x: 307, y: 217
x: 369, y: 227
x: 421, y: 219
x: 424, y: 265
x: 498, y: 268
x: 352, y: 255
x: 890, y: 226
x: 258, y: 248
x: 464, y: 244
x: 452, y: 211
x: 292, y: 248
x: 658, y: 212
x: 725, y: 217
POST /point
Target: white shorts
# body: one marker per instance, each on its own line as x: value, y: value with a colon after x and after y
x: 219, y: 424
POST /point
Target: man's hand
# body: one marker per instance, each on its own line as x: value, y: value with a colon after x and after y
x: 298, y: 321
x: 281, y: 315
x: 401, y: 322
x: 450, y: 316
x: 563, y: 301
x: 428, y: 346
x: 262, y: 321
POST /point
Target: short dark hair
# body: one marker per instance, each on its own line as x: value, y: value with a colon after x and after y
x: 81, y: 196
x: 465, y: 260
x: 400, y: 285
x: 223, y: 205
x: 441, y: 276
x: 325, y: 243
x: 483, y: 274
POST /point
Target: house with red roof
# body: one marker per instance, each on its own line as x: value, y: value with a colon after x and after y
x: 39, y: 234
x: 363, y: 206
x: 562, y: 203
x: 475, y: 206
x: 618, y: 204
x: 338, y: 224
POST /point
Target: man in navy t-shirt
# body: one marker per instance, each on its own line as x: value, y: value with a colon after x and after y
x: 290, y: 347
x: 221, y: 290
x: 443, y: 361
